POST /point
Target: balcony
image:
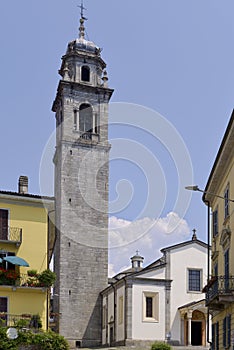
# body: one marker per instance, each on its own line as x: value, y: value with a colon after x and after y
x: 12, y: 235
x: 14, y: 279
x: 89, y: 136
x: 219, y: 292
x: 25, y: 321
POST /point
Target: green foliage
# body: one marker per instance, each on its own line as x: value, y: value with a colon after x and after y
x: 21, y: 323
x: 32, y: 273
x: 42, y: 340
x: 36, y: 321
x: 46, y: 278
x: 160, y: 346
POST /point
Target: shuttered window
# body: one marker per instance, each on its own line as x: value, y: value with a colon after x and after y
x: 3, y: 224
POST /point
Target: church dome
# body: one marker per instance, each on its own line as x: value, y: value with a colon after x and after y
x: 81, y: 44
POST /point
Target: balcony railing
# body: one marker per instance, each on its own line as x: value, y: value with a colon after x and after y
x: 12, y: 235
x: 89, y: 136
x: 220, y: 290
x: 27, y: 321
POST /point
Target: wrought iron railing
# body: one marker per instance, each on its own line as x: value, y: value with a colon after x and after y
x: 90, y: 136
x: 219, y: 285
x: 13, y: 234
x: 27, y: 321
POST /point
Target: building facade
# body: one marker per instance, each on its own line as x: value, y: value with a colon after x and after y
x: 163, y: 301
x: 81, y: 191
x: 24, y: 233
x: 219, y: 195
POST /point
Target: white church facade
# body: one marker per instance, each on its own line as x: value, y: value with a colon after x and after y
x: 163, y: 301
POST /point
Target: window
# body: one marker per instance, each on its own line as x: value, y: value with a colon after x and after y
x: 215, y: 336
x: 85, y: 118
x: 226, y: 269
x: 120, y: 310
x: 194, y: 280
x: 150, y: 307
x: 227, y: 331
x: 215, y: 223
x: 226, y: 202
x: 5, y: 264
x: 75, y: 119
x: 3, y: 309
x: 85, y: 73
x: 3, y: 224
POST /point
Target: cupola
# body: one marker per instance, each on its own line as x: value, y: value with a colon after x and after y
x: 137, y: 261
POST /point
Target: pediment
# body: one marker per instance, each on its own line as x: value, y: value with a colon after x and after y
x: 225, y: 237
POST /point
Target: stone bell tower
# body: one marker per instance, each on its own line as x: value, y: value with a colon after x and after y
x: 81, y: 191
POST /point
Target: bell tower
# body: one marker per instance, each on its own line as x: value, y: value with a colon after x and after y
x: 81, y: 191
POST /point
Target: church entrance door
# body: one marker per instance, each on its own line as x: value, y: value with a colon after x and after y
x: 196, y: 333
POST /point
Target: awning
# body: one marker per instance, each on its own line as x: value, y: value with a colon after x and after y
x: 16, y: 260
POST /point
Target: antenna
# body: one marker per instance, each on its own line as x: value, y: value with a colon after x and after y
x: 82, y: 8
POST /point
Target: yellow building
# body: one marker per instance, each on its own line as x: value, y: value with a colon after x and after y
x: 25, y: 233
x: 219, y: 194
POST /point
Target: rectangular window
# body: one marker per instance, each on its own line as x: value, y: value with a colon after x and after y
x: 226, y: 270
x: 215, y: 222
x: 3, y: 224
x: 194, y: 280
x: 215, y: 336
x: 3, y: 309
x: 226, y: 202
x: 150, y: 307
x: 227, y: 331
x: 120, y: 308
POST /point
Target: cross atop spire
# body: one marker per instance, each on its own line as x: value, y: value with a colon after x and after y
x: 82, y: 20
x: 82, y: 8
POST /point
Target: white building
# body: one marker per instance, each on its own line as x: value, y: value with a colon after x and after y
x: 163, y: 301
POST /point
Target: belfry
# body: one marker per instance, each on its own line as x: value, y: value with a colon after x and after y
x: 81, y: 191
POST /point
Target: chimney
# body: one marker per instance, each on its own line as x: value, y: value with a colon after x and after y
x: 23, y: 185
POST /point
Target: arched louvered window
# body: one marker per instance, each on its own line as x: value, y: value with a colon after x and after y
x: 85, y: 118
x: 85, y: 73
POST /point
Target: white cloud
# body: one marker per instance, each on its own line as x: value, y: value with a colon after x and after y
x: 146, y: 235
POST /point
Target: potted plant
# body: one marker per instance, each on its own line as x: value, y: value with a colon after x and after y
x: 46, y: 278
x: 32, y: 273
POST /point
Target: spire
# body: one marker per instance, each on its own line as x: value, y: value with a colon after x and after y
x: 82, y: 20
x: 194, y: 237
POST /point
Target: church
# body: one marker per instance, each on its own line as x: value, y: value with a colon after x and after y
x: 140, y: 304
x: 162, y: 301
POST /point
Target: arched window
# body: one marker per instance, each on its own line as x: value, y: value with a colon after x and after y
x: 85, y: 118
x: 85, y: 73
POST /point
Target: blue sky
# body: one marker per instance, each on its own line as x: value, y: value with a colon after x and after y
x: 174, y: 57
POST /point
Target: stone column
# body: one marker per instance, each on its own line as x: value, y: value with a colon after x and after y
x: 189, y: 328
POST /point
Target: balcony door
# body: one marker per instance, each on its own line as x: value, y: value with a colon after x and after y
x: 3, y: 224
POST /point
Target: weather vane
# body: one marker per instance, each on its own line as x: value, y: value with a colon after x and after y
x: 82, y: 8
